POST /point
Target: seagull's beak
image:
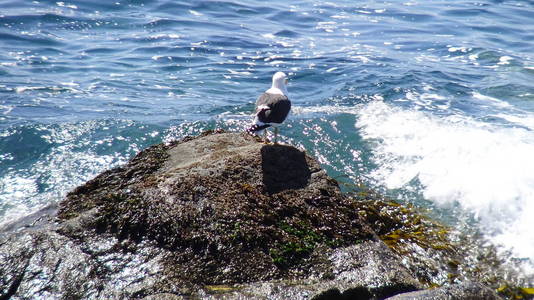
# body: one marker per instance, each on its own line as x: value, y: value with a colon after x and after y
x: 286, y: 81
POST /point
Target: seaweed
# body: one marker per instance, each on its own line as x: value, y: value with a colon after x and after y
x: 299, y: 242
x: 515, y: 292
x: 437, y: 254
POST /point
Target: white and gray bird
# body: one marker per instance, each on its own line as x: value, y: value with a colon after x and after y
x: 272, y: 107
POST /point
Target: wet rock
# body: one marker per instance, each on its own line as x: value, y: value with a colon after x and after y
x: 216, y: 216
x: 466, y: 290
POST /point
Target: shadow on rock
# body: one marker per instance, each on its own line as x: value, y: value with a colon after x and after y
x: 284, y: 168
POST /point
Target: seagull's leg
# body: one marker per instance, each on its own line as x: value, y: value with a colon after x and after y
x: 275, y: 135
x: 265, y: 135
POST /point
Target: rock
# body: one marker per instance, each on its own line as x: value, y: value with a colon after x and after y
x: 217, y: 216
x: 466, y: 290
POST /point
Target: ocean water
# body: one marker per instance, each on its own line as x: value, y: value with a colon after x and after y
x: 431, y: 102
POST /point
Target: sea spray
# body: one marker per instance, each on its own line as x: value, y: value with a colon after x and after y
x: 484, y: 168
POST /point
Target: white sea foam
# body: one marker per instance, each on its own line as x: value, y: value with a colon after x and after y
x: 484, y: 168
x: 62, y: 4
x: 195, y: 13
x: 243, y: 73
x: 460, y: 49
x: 269, y: 36
x: 6, y: 109
x: 504, y: 60
x: 487, y: 100
x: 329, y: 26
x: 165, y: 36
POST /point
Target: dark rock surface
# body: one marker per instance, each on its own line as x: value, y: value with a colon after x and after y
x: 466, y: 290
x: 220, y: 216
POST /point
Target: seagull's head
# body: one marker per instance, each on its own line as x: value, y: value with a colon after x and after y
x: 280, y: 80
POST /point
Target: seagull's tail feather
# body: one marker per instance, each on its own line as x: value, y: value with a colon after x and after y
x: 256, y: 127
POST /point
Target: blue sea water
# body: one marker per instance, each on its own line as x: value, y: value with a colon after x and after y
x: 430, y: 101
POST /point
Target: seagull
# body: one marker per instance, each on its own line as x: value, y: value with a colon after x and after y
x: 272, y: 107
